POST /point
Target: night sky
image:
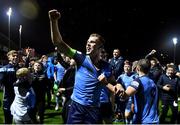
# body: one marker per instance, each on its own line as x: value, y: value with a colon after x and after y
x: 134, y: 28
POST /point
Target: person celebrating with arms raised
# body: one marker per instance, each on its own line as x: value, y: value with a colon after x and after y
x: 90, y: 73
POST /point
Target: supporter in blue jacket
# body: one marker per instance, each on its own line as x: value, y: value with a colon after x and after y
x: 50, y: 82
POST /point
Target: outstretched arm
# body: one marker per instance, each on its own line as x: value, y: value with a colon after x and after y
x: 150, y: 54
x: 56, y: 37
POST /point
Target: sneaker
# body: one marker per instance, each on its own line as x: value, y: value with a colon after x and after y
x: 38, y: 118
x: 57, y: 107
x: 118, y: 120
x: 63, y: 100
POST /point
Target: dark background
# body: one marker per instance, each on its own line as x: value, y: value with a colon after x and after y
x: 134, y: 28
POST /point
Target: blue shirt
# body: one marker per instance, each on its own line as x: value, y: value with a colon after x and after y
x: 105, y: 95
x: 105, y: 92
x: 60, y: 71
x: 50, y: 68
x: 145, y: 101
x: 87, y: 88
x: 126, y: 79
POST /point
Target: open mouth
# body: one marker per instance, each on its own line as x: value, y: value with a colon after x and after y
x: 88, y: 49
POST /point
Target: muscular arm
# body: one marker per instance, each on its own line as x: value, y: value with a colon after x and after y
x: 56, y: 37
x: 111, y: 83
x: 130, y: 91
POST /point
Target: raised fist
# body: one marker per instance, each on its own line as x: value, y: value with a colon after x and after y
x: 152, y: 51
x: 54, y: 14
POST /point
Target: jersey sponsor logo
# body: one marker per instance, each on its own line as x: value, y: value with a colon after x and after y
x: 7, y: 70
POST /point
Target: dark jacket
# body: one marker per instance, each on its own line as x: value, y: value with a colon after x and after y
x: 117, y: 66
x: 39, y: 85
x: 173, y: 82
x: 155, y: 72
x: 7, y: 78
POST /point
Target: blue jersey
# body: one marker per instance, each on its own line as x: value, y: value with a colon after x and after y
x: 60, y: 71
x: 50, y: 68
x: 145, y: 101
x: 126, y: 79
x: 105, y: 95
x: 87, y: 88
x: 105, y: 92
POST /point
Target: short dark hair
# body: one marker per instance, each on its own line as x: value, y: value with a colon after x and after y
x: 154, y: 59
x: 127, y: 62
x: 170, y: 66
x: 144, y: 65
x: 101, y: 40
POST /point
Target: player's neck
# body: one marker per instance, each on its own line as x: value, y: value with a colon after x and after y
x: 141, y: 74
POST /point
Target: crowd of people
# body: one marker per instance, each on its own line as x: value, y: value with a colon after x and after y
x: 92, y: 88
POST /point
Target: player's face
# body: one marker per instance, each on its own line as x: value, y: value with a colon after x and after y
x: 127, y: 68
x: 91, y: 45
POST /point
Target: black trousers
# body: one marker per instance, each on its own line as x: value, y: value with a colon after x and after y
x: 8, y: 118
x: 165, y: 107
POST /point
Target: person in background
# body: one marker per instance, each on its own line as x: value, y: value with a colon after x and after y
x: 106, y: 97
x: 117, y: 63
x: 66, y: 88
x: 31, y: 63
x: 125, y: 79
x: 168, y: 85
x: 7, y: 78
x: 39, y: 84
x: 50, y: 81
x: 23, y: 105
x: 156, y: 69
x: 145, y: 95
x: 44, y: 60
x: 59, y: 72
